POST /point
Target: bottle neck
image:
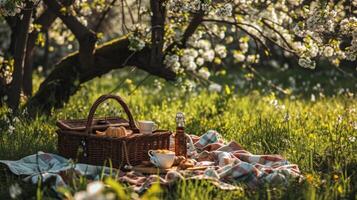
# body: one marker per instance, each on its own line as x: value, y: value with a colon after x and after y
x: 180, y: 124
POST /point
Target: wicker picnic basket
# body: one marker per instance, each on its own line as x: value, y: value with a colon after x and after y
x: 77, y: 139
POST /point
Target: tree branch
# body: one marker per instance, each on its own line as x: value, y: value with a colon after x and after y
x: 190, y: 30
x: 66, y: 79
x: 104, y: 15
x: 15, y: 86
x: 277, y: 32
x: 86, y: 38
x: 239, y: 24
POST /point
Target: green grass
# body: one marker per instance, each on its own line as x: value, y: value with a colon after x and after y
x: 320, y: 136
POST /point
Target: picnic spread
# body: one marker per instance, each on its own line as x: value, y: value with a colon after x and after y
x: 144, y: 155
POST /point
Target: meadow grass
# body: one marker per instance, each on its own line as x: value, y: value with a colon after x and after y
x: 319, y: 134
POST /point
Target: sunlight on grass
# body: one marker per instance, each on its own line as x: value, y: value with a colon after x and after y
x: 319, y: 136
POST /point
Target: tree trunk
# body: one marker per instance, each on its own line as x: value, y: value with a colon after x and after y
x: 15, y: 86
x: 28, y: 65
x: 68, y: 75
x: 45, y: 20
x: 158, y: 32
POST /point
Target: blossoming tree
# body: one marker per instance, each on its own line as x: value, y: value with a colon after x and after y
x: 171, y: 38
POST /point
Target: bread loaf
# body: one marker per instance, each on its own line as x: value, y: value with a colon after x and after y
x: 114, y: 132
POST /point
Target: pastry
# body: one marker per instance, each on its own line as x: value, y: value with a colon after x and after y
x: 186, y: 164
x: 178, y: 160
x: 114, y: 132
x: 100, y: 133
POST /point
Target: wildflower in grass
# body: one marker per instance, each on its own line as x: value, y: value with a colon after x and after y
x: 312, y: 136
x: 335, y: 177
x: 339, y: 119
x: 274, y: 102
x: 16, y: 120
x: 214, y: 87
x: 128, y: 81
x: 276, y: 105
x: 11, y: 129
x: 286, y: 117
x: 352, y: 139
x: 340, y: 189
x: 158, y: 84
x: 310, y: 178
x: 313, y: 98
x: 95, y: 187
x: 94, y: 191
x: 25, y: 112
x: 15, y: 191
x: 354, y: 125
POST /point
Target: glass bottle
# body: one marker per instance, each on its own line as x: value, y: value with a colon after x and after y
x: 180, y: 137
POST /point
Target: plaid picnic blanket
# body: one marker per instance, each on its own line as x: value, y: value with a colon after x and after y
x: 228, y: 164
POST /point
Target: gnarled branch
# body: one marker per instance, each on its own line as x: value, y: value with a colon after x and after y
x: 66, y: 78
x: 85, y: 37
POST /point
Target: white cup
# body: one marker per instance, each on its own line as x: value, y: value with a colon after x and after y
x: 147, y: 126
x: 162, y: 159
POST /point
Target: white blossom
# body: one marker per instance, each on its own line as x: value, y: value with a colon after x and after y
x: 208, y: 55
x: 221, y: 50
x: 253, y: 58
x: 307, y: 63
x: 200, y: 61
x: 244, y: 47
x: 172, y: 61
x: 203, y: 72
x: 191, y: 66
x: 15, y: 190
x: 204, y: 44
x: 136, y: 44
x: 238, y: 56
x: 328, y: 51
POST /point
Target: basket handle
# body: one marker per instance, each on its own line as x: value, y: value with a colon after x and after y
x: 103, y: 98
